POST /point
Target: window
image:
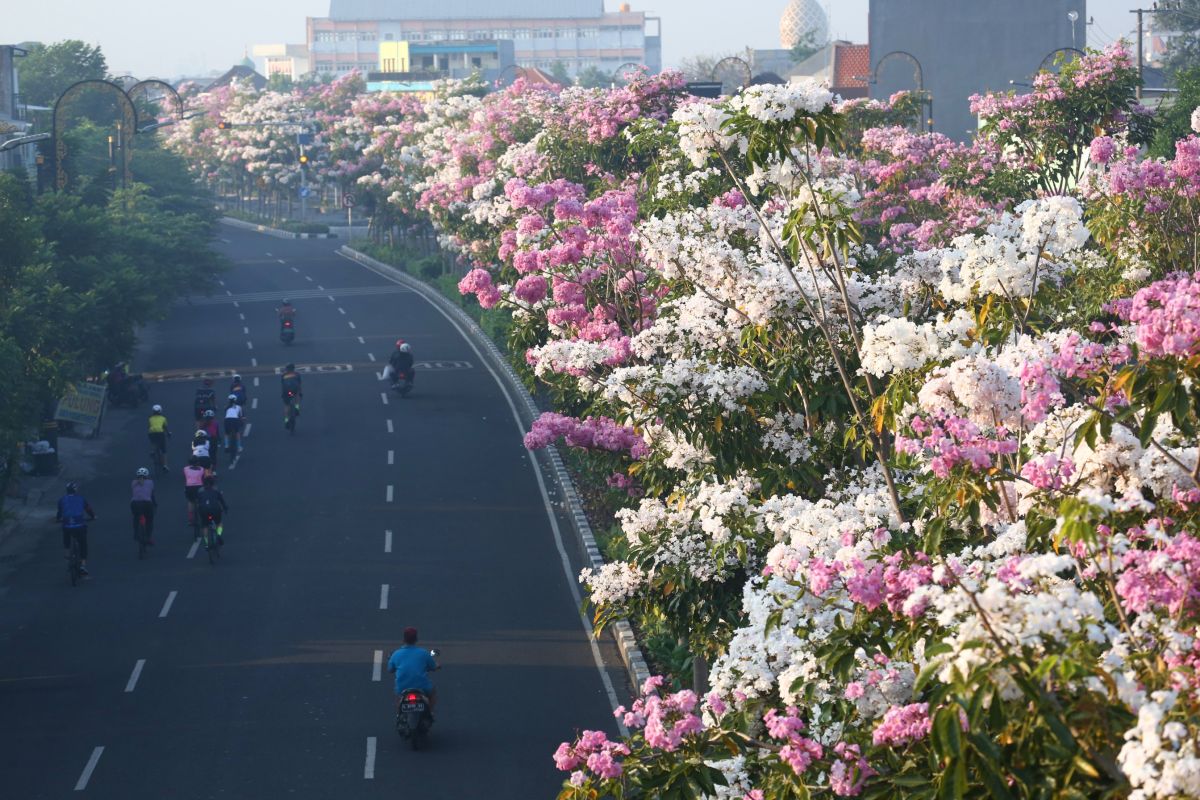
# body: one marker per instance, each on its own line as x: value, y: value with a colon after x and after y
x: 566, y: 33
x: 367, y: 36
x: 387, y: 37
x: 345, y: 36
x: 522, y: 33
x: 458, y: 35
x: 545, y: 33
x: 476, y: 61
x: 501, y: 33
x: 324, y: 36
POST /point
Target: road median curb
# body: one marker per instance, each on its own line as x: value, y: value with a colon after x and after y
x: 631, y: 652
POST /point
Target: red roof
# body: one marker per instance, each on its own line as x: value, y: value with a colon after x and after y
x: 851, y: 66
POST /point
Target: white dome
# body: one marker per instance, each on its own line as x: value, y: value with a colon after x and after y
x: 800, y: 17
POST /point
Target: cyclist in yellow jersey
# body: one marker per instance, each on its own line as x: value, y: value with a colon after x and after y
x: 158, y: 431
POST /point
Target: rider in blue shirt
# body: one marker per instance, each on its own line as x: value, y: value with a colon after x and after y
x: 412, y: 666
x: 74, y: 513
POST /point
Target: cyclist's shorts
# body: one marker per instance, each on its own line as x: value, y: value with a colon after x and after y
x: 159, y: 440
x: 190, y: 493
x: 233, y: 425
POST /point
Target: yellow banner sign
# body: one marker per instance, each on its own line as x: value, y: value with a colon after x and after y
x: 82, y: 404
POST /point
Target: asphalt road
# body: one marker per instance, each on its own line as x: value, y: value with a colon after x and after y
x: 257, y: 677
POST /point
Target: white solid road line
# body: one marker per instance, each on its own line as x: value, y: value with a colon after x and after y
x: 82, y: 783
x: 369, y: 767
x: 377, y: 670
x: 195, y: 547
x: 391, y: 457
x: 390, y: 492
x: 166, y: 609
x: 137, y: 673
x: 387, y: 541
x: 254, y: 404
x: 383, y: 597
x: 390, y: 428
x: 383, y: 396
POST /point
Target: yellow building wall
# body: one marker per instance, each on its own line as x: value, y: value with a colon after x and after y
x: 393, y: 57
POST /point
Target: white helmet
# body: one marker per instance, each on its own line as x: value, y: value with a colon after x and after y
x: 405, y: 348
x: 156, y: 408
x: 143, y: 472
x: 233, y: 397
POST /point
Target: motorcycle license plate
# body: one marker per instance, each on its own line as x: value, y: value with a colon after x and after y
x: 410, y: 707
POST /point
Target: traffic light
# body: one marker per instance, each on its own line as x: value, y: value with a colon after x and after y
x: 303, y: 158
x: 223, y: 125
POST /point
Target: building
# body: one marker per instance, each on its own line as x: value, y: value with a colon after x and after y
x: 288, y: 60
x: 243, y: 73
x: 414, y: 66
x: 803, y: 20
x: 956, y: 48
x: 843, y: 66
x: 577, y: 33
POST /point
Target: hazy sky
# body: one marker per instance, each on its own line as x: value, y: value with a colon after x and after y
x: 167, y: 38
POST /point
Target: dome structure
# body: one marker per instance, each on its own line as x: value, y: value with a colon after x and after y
x: 802, y: 17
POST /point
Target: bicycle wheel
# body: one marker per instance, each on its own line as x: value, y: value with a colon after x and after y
x: 74, y: 563
x: 291, y: 423
x: 141, y: 537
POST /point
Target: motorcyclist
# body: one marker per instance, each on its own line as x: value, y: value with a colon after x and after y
x: 290, y: 386
x: 401, y: 363
x: 158, y: 432
x: 72, y: 508
x: 238, y: 389
x: 286, y: 311
x: 142, y: 502
x: 206, y: 398
x: 412, y: 665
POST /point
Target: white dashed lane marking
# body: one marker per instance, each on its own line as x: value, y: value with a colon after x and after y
x: 195, y: 547
x: 166, y: 609
x: 377, y: 669
x: 341, y: 311
x: 351, y: 326
x: 137, y: 673
x: 249, y: 345
x: 295, y: 270
x: 384, y: 590
x: 371, y: 356
x: 361, y: 340
x: 254, y: 404
x: 383, y: 396
x: 391, y: 456
x: 387, y: 541
x: 369, y: 766
x: 82, y: 783
x: 390, y: 492
x: 390, y: 428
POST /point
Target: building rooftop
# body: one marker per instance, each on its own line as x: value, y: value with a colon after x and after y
x: 349, y: 10
x: 851, y: 66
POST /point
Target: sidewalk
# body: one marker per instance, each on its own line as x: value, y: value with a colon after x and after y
x: 32, y: 501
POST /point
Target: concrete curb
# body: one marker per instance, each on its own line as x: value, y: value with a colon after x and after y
x: 278, y: 234
x: 631, y: 652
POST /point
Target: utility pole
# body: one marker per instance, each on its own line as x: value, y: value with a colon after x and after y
x: 1140, y: 34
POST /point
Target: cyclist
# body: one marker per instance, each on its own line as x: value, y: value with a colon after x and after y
x: 208, y: 424
x: 211, y: 503
x: 412, y: 665
x: 234, y: 419
x: 202, y: 451
x: 206, y: 398
x: 401, y: 363
x: 158, y: 431
x: 290, y: 385
x: 72, y: 508
x: 142, y: 502
x: 238, y: 390
x: 193, y: 480
x: 286, y: 311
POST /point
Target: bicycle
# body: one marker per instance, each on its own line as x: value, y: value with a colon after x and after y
x: 158, y: 460
x: 74, y: 562
x: 194, y: 522
x: 292, y: 413
x: 212, y: 542
x: 142, y: 535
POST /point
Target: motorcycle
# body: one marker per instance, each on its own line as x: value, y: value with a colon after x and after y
x: 402, y: 382
x: 413, y: 717
x: 287, y: 331
x: 127, y: 390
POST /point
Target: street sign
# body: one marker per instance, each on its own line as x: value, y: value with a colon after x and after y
x: 304, y: 139
x: 305, y: 191
x: 81, y: 404
x: 348, y: 200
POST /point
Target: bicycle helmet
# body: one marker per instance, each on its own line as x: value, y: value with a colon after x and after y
x: 287, y: 302
x: 72, y: 487
x: 208, y: 412
x: 156, y: 408
x: 200, y: 434
x: 399, y: 343
x: 404, y: 348
x: 143, y: 472
x: 237, y: 378
x: 233, y: 397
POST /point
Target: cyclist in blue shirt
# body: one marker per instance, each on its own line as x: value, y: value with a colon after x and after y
x: 74, y: 513
x: 412, y: 666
